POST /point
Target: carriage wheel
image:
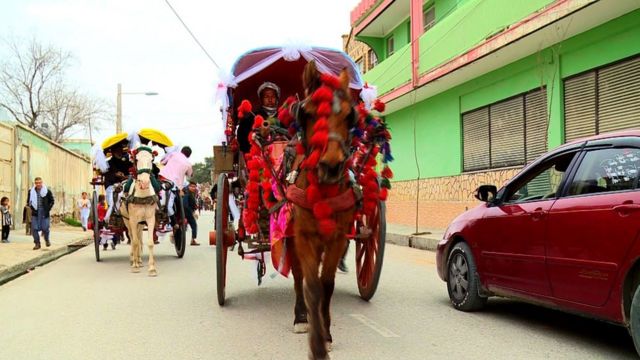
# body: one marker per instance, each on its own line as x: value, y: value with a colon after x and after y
x: 180, y: 227
x: 94, y: 220
x: 222, y: 223
x: 370, y: 252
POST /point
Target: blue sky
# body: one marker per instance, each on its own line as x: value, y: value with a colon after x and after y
x: 141, y: 44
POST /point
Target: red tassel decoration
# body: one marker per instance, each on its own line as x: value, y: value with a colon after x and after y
x: 324, y: 109
x: 387, y: 173
x: 379, y: 105
x: 322, y: 210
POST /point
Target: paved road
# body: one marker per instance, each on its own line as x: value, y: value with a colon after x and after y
x: 76, y: 308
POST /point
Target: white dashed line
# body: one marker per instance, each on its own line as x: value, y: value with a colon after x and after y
x: 374, y: 326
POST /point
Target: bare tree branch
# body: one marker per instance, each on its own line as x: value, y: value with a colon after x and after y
x: 34, y: 91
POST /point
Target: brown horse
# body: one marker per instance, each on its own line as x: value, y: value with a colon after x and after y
x: 318, y: 249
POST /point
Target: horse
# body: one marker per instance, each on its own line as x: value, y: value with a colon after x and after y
x: 323, y: 201
x: 140, y: 208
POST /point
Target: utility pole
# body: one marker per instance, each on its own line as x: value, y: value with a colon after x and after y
x: 119, y: 110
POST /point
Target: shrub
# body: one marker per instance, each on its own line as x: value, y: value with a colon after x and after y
x: 72, y: 222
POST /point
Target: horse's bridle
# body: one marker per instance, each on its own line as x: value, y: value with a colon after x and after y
x: 144, y: 170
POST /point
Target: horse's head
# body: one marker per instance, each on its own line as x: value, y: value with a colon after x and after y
x: 326, y: 118
x: 144, y: 165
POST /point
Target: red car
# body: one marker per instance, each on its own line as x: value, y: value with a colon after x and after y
x: 564, y: 233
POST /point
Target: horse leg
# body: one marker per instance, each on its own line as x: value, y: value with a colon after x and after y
x: 300, y: 323
x: 308, y: 253
x: 139, y: 242
x: 151, y: 225
x: 134, y: 246
x: 332, y: 255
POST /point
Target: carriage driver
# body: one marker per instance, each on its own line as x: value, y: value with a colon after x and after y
x: 118, y: 172
x: 269, y: 95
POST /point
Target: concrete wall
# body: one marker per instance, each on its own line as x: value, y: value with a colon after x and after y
x: 66, y: 173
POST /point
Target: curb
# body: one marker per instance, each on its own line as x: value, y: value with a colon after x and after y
x: 417, y: 242
x: 18, y: 270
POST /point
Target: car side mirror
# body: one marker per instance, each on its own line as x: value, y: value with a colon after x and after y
x: 486, y: 193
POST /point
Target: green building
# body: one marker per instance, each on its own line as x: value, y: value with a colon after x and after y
x: 476, y: 89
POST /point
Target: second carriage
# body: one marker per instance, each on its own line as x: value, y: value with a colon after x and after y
x: 106, y: 182
x: 284, y: 67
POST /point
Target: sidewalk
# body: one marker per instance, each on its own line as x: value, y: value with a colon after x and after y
x: 18, y: 256
x: 405, y: 235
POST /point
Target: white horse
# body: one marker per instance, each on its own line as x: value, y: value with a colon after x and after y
x: 140, y: 208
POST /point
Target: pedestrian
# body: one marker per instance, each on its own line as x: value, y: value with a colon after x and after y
x: 41, y: 201
x: 176, y: 167
x: 85, y: 209
x: 190, y: 208
x: 5, y: 210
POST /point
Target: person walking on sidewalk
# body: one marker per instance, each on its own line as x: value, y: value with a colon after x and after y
x: 85, y: 208
x: 190, y: 208
x: 5, y: 217
x: 41, y: 201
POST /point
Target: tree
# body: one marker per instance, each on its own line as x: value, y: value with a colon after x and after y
x: 34, y: 91
x: 202, y: 171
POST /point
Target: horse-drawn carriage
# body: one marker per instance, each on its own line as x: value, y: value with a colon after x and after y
x: 116, y: 183
x: 276, y: 157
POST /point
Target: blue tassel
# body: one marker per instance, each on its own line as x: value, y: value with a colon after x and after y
x: 388, y: 157
x: 357, y: 132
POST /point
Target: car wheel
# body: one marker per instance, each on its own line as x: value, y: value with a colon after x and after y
x: 463, y: 283
x: 634, y: 321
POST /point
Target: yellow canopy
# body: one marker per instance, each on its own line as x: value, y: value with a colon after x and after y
x: 157, y: 136
x: 113, y: 140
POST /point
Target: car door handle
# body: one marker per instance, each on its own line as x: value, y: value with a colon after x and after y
x: 537, y: 214
x: 625, y: 209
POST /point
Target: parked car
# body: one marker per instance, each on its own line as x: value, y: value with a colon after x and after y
x: 563, y: 233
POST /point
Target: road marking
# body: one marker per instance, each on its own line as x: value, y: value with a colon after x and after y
x: 374, y: 326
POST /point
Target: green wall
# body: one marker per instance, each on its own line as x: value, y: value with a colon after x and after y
x: 401, y: 37
x: 392, y: 72
x: 438, y: 118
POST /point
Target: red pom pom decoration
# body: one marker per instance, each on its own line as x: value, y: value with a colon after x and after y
x: 387, y: 173
x: 327, y: 226
x: 384, y: 192
x: 300, y: 150
x: 257, y: 123
x: 322, y: 210
x: 324, y: 93
x: 319, y: 139
x: 313, y: 194
x: 330, y: 81
x: 324, y: 109
x: 245, y: 106
x: 379, y: 106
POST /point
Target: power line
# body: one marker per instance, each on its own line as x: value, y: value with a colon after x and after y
x: 192, y: 35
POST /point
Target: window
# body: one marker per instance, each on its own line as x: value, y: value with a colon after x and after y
x: 543, y: 183
x: 508, y: 133
x: 390, y: 48
x: 607, y: 170
x: 373, y: 59
x: 429, y: 18
x: 360, y: 63
x: 603, y: 100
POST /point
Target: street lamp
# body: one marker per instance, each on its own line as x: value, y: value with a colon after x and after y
x: 119, y: 105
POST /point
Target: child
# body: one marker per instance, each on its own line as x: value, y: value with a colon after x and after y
x: 5, y: 209
x: 103, y: 207
x: 85, y: 209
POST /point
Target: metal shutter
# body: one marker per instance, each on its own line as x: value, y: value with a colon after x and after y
x: 536, y: 123
x: 507, y: 133
x: 475, y: 130
x: 619, y: 96
x: 580, y: 106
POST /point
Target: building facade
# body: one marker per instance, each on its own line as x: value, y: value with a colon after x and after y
x: 24, y: 155
x: 476, y: 89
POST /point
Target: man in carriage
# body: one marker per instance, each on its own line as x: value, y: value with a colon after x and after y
x: 269, y: 95
x: 119, y: 167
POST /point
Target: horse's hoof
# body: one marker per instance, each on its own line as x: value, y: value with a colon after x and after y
x: 153, y: 272
x: 135, y: 269
x: 300, y: 328
x: 329, y: 346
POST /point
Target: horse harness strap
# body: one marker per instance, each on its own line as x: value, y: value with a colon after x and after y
x: 341, y: 202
